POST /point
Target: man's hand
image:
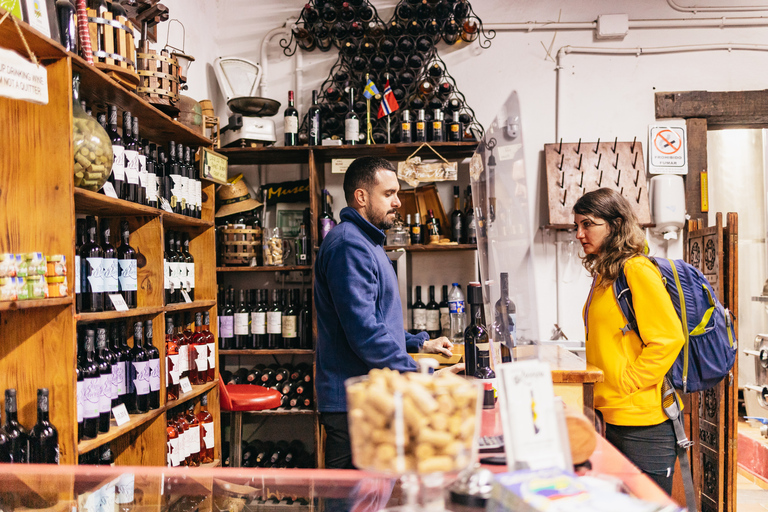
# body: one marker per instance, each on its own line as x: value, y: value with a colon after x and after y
x: 452, y: 369
x: 439, y: 345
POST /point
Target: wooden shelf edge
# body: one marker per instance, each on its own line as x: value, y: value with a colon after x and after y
x: 112, y: 315
x: 89, y: 202
x: 431, y: 248
x: 215, y: 464
x: 281, y: 412
x: 265, y: 352
x: 288, y: 268
x: 198, y: 304
x: 174, y: 219
x: 115, y: 431
x: 37, y: 303
x: 196, y: 391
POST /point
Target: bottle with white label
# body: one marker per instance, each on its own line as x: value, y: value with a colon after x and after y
x: 117, y: 177
x: 79, y: 242
x: 91, y: 382
x: 290, y: 320
x: 207, y: 433
x: 258, y: 337
x: 185, y: 185
x: 105, y: 380
x: 151, y: 165
x: 275, y: 322
x: 91, y: 271
x: 189, y: 266
x: 127, y: 267
x: 291, y: 118
x: 227, y: 321
x: 193, y: 436
x: 138, y: 373
x: 119, y: 365
x: 419, y: 313
x: 198, y: 356
x: 173, y: 442
x: 211, y: 342
x: 154, y: 366
x: 180, y: 279
x: 108, y: 265
x: 169, y: 257
x: 351, y: 121
x: 141, y: 159
x: 242, y: 320
x: 131, y: 156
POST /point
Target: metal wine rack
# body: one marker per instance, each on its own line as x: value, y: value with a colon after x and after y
x: 403, y: 50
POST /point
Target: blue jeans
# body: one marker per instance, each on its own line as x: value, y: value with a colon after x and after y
x: 650, y: 448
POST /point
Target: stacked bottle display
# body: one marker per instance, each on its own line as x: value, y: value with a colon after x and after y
x: 294, y: 382
x: 110, y: 373
x: 401, y: 51
x: 280, y: 454
x: 104, y: 272
x: 147, y: 173
x: 190, y: 352
x: 40, y: 444
x: 178, y: 269
x: 252, y: 321
x: 190, y: 437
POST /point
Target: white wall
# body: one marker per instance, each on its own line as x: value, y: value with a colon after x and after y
x: 601, y: 96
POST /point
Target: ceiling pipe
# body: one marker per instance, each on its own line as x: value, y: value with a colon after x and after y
x: 757, y: 21
x: 716, y: 8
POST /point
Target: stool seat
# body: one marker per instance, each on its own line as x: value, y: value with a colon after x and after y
x: 247, y: 397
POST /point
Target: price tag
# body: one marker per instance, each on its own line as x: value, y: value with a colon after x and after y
x: 121, y: 414
x: 186, y: 387
x: 185, y: 295
x: 109, y: 190
x: 165, y: 205
x: 118, y: 301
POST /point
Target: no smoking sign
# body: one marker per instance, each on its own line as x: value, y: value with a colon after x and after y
x: 668, y: 152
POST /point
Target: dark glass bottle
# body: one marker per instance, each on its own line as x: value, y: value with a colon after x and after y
x: 433, y: 315
x: 329, y: 13
x: 419, y: 313
x: 455, y: 129
x: 421, y: 127
x: 437, y: 126
x: 118, y: 153
x: 141, y: 158
x: 259, y: 320
x: 406, y: 134
x: 105, y: 380
x: 326, y: 218
x: 188, y: 267
x: 90, y: 386
x: 305, y: 322
x: 43, y: 438
x: 154, y: 366
x: 322, y: 37
x: 16, y: 434
x: 505, y: 321
x: 130, y: 188
x: 433, y: 227
x: 351, y: 122
x: 67, y: 17
x: 291, y: 119
x: 302, y: 249
x: 172, y: 373
x: 417, y: 236
x: 183, y: 191
x: 79, y: 242
x: 275, y: 322
x: 475, y: 335
x: 241, y: 323
x: 181, y: 269
x: 445, y: 310
x: 138, y: 374
x: 313, y: 120
x: 80, y: 406
x: 91, y: 270
x: 174, y: 180
x: 290, y: 320
x: 169, y: 267
x: 458, y: 230
x: 119, y: 365
x: 227, y: 322
x: 109, y: 265
x: 192, y: 185
x: 127, y: 267
x: 110, y: 357
x: 470, y: 218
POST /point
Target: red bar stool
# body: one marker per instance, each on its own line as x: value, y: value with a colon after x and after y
x: 239, y: 398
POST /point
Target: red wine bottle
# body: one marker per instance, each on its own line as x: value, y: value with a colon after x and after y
x: 138, y: 374
x: 43, y: 438
x: 127, y: 267
x: 291, y: 118
x: 105, y: 380
x: 92, y: 288
x: 118, y: 153
x: 131, y: 159
x: 90, y: 386
x: 154, y: 366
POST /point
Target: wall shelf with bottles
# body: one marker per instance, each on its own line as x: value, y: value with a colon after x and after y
x: 185, y: 306
x: 288, y: 268
x: 266, y: 352
x: 283, y: 412
x: 197, y: 390
x: 33, y: 304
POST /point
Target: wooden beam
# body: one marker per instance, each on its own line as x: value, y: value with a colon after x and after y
x: 736, y: 109
x: 697, y: 163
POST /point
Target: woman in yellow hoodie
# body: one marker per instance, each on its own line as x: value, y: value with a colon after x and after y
x: 630, y: 396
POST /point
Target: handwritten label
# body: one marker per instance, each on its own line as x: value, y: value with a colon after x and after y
x: 186, y: 387
x: 109, y: 190
x: 21, y: 79
x: 185, y: 295
x: 214, y: 166
x: 339, y: 165
x: 118, y: 301
x: 121, y: 414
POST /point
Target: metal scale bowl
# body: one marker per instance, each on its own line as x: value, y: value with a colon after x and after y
x: 239, y: 79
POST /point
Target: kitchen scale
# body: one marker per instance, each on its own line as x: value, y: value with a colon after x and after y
x: 249, y: 124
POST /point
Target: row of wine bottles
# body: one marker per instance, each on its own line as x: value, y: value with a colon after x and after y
x: 253, y: 323
x: 282, y: 454
x: 149, y: 174
x: 190, y: 437
x: 178, y: 269
x: 101, y: 270
x: 39, y: 445
x: 190, y: 352
x: 294, y: 383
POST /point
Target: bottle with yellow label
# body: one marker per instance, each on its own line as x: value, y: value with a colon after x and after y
x: 421, y: 127
x: 405, y: 127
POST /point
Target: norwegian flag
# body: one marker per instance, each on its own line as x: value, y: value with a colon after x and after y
x: 388, y: 102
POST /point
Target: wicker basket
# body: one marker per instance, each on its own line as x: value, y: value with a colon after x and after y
x: 115, y: 53
x: 159, y: 74
x: 239, y: 247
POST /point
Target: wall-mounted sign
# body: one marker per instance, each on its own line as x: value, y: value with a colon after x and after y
x: 21, y: 79
x: 213, y: 166
x: 339, y: 165
x: 667, y: 148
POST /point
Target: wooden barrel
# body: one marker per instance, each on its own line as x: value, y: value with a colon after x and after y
x: 159, y: 75
x: 113, y: 47
x: 239, y: 246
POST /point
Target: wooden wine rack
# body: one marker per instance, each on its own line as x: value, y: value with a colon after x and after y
x: 38, y: 212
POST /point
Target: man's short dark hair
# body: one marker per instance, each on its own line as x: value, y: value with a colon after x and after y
x: 362, y: 174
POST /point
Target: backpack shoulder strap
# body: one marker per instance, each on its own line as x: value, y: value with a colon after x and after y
x: 624, y: 298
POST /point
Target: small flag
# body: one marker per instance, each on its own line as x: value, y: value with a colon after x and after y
x: 370, y: 90
x: 388, y: 102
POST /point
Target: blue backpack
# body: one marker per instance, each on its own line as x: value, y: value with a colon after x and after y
x: 710, y: 341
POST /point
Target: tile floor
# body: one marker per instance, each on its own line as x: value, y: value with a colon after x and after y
x: 749, y: 496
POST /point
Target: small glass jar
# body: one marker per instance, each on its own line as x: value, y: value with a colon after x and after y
x: 57, y: 265
x: 8, y: 265
x: 272, y: 244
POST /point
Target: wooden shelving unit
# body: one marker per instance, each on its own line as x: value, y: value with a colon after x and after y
x: 39, y: 346
x: 266, y: 352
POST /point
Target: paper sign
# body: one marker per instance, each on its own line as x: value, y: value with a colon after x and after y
x: 21, y: 79
x: 340, y: 165
x: 186, y: 387
x: 185, y: 295
x: 166, y: 205
x: 213, y: 166
x: 121, y: 414
x: 118, y: 301
x: 667, y: 148
x: 37, y: 14
x: 508, y: 152
x: 109, y: 190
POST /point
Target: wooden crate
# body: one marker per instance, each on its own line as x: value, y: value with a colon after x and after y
x: 114, y: 52
x: 159, y: 75
x: 421, y: 199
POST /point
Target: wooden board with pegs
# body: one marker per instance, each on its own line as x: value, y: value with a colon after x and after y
x: 575, y: 168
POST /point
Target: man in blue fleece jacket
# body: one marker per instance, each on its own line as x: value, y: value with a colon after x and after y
x: 359, y: 315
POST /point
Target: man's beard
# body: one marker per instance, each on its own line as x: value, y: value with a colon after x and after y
x: 383, y: 222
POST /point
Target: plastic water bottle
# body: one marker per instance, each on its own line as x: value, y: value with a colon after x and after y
x: 456, y: 308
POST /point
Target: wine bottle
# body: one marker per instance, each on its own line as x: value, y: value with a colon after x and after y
x: 207, y: 432
x: 138, y: 374
x: 142, y: 162
x: 105, y: 380
x: 326, y: 219
x: 90, y: 386
x: 424, y: 10
x: 183, y: 192
x: 505, y: 322
x: 181, y: 270
x: 188, y: 267
x: 322, y: 37
x: 451, y: 32
x: 127, y: 267
x: 154, y: 366
x: 304, y: 37
x: 484, y: 370
x: 419, y: 313
x: 290, y: 320
x: 455, y: 129
x: 67, y: 23
x: 185, y: 330
x: 110, y: 357
x: 274, y: 323
x: 173, y: 448
x: 109, y: 272
x: 433, y: 315
x: 168, y: 260
x: 79, y: 398
x: 305, y: 322
x: 329, y: 13
x: 469, y: 215
x: 445, y: 310
x: 199, y: 353
x: 131, y: 160
x: 475, y: 334
x: 183, y: 425
x: 259, y: 320
x: 17, y: 439
x: 421, y: 127
x: 417, y: 237
x: 43, y: 438
x: 313, y: 120
x: 241, y: 324
x: 405, y: 127
x: 351, y: 122
x: 211, y: 344
x: 310, y: 13
x: 79, y: 242
x: 92, y: 270
x: 119, y: 365
x: 174, y: 179
x: 193, y: 436
x: 227, y: 322
x: 291, y: 119
x: 118, y: 153
x: 433, y: 227
x: 172, y: 373
x: 458, y: 229
x: 191, y: 183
